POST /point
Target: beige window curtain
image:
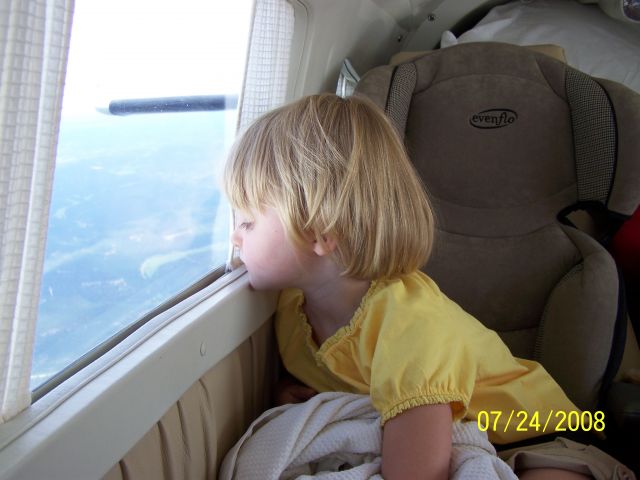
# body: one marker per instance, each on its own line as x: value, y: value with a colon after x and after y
x: 34, y: 41
x: 267, y: 72
x: 265, y: 84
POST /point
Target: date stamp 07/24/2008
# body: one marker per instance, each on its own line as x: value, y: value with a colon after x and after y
x: 547, y: 422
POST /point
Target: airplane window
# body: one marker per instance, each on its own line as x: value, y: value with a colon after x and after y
x: 136, y: 215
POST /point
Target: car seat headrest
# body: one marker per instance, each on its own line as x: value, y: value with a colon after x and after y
x: 539, y: 136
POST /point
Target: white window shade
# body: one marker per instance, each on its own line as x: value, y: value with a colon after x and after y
x: 34, y: 40
x: 265, y: 82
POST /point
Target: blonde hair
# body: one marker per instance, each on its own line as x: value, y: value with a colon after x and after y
x: 336, y: 167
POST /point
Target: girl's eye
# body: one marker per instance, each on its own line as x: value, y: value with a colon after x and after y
x: 246, y: 225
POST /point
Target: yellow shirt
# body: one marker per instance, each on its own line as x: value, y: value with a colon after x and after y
x: 409, y: 345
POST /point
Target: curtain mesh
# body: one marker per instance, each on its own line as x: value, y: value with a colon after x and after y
x: 34, y: 41
x: 265, y: 82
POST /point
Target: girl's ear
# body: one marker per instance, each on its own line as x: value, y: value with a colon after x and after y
x: 325, y: 247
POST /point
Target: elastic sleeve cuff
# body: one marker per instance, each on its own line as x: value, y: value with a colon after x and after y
x: 459, y: 407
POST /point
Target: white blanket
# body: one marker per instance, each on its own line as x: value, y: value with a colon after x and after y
x: 337, y: 436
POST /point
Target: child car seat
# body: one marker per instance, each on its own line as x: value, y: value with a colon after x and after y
x: 507, y: 141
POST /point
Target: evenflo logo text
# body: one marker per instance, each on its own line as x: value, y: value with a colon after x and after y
x: 493, y: 118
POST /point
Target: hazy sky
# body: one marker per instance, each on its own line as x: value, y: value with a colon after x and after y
x: 154, y: 48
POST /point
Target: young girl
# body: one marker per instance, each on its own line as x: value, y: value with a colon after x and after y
x: 331, y: 211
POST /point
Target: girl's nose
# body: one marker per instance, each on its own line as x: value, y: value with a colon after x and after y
x: 235, y: 238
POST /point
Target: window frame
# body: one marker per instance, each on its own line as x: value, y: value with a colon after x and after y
x: 106, y: 346
x: 104, y: 401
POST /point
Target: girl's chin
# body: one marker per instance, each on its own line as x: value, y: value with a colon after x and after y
x: 263, y: 285
x: 259, y: 285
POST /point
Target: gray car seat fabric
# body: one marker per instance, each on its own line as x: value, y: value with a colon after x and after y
x: 505, y: 139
